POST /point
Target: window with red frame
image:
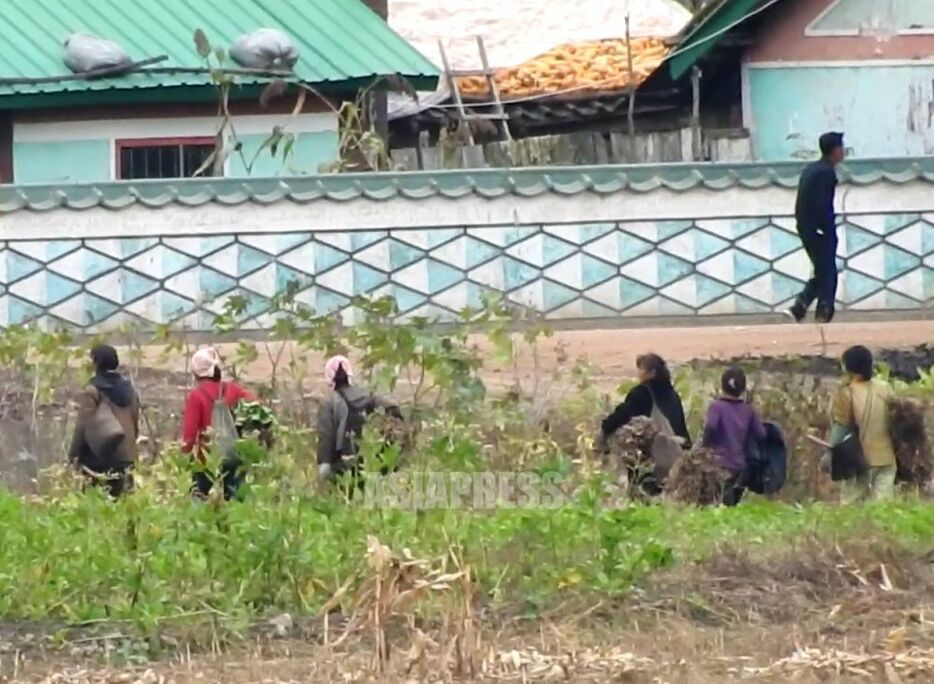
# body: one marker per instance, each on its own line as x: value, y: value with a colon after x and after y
x: 163, y: 158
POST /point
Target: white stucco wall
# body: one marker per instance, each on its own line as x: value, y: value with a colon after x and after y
x: 85, y: 151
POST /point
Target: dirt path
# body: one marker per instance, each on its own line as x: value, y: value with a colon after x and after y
x: 614, y: 351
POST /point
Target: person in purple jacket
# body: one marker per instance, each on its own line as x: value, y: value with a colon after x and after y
x: 730, y: 423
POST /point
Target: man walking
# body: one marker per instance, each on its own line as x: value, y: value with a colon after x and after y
x: 817, y: 227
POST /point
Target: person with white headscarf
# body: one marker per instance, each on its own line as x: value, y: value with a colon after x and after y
x: 197, y: 418
x: 341, y: 418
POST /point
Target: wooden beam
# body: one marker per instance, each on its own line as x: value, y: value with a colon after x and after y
x: 696, y: 142
x: 6, y: 147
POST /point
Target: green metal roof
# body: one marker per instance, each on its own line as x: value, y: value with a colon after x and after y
x: 483, y: 183
x: 706, y: 29
x: 339, y: 41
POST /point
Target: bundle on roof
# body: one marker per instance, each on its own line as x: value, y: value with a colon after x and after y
x: 696, y: 479
x: 909, y: 437
x: 266, y: 48
x: 85, y: 52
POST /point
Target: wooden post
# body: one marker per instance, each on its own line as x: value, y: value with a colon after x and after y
x: 697, y: 144
x: 421, y: 144
x: 631, y: 116
x: 6, y: 147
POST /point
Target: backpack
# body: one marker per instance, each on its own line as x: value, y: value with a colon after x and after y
x: 223, y: 425
x: 103, y: 432
x: 666, y: 446
x: 353, y: 430
x: 766, y: 461
x: 356, y: 421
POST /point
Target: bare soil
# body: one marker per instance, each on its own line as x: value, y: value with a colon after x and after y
x: 613, y: 352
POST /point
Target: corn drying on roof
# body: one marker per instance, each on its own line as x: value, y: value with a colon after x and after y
x: 577, y: 68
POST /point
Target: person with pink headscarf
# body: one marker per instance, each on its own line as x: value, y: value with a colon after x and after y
x: 342, y: 416
x: 197, y: 418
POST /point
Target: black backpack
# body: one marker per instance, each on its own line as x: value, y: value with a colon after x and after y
x: 356, y: 421
x: 767, y: 461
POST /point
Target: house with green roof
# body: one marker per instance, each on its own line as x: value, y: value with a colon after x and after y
x: 794, y: 69
x: 161, y: 120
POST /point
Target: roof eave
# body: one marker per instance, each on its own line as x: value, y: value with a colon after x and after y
x: 700, y: 35
x: 188, y: 93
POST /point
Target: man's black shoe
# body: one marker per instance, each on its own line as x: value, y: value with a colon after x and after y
x: 824, y: 313
x: 796, y: 312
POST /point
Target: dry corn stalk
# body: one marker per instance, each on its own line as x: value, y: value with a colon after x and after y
x: 877, y: 667
x: 529, y: 664
x: 395, y: 583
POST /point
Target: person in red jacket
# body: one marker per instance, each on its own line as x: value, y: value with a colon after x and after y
x: 199, y: 406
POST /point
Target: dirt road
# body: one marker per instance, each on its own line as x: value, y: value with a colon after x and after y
x: 614, y: 351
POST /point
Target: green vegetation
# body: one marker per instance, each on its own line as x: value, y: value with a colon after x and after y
x: 70, y: 556
x: 77, y: 557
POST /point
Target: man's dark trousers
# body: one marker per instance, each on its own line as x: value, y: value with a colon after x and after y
x: 822, y: 251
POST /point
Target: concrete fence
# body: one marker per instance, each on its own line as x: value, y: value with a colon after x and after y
x: 612, y: 242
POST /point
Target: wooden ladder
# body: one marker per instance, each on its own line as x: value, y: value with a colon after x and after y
x: 499, y: 115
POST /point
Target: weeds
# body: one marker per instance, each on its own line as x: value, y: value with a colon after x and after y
x: 156, y: 559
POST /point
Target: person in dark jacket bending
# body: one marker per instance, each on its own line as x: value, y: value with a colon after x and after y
x: 654, y: 386
x: 112, y: 469
x: 817, y: 227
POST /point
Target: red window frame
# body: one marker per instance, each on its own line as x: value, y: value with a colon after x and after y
x: 121, y: 143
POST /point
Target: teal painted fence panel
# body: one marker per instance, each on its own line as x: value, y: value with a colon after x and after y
x: 884, y: 110
x: 309, y: 152
x: 608, y: 269
x: 76, y: 161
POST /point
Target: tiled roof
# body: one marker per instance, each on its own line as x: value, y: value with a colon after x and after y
x: 339, y: 40
x: 484, y: 183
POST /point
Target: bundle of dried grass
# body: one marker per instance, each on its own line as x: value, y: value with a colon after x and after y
x: 912, y: 450
x: 629, y: 456
x: 696, y: 479
x: 395, y: 430
x: 630, y: 447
